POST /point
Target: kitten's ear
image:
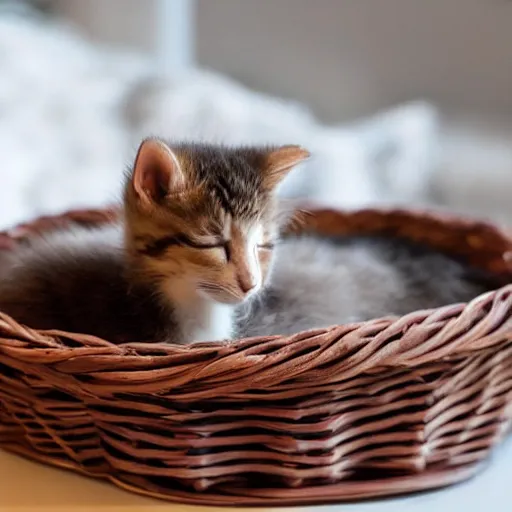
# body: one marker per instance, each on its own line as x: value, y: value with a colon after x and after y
x: 156, y: 172
x: 281, y: 161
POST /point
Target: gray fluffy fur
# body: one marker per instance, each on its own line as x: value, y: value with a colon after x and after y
x: 76, y: 281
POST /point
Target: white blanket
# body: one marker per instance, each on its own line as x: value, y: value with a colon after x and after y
x: 72, y: 114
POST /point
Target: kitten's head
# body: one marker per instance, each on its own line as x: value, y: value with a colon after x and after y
x: 204, y: 217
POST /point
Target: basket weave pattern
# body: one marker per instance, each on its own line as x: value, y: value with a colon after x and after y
x: 383, y: 407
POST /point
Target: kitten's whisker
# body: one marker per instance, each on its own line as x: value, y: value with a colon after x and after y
x: 218, y: 288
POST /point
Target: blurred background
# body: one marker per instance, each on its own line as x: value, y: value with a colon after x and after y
x: 401, y: 102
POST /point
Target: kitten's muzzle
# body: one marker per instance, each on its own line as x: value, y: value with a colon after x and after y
x: 228, y: 295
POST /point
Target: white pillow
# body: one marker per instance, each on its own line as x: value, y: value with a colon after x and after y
x: 386, y: 159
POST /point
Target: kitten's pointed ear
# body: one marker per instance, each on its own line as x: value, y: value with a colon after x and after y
x: 281, y: 161
x: 156, y: 172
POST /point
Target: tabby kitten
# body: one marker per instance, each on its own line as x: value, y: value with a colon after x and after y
x: 196, y: 240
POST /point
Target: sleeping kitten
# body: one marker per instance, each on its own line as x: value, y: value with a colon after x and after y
x: 195, y: 248
x: 196, y: 240
x: 321, y: 282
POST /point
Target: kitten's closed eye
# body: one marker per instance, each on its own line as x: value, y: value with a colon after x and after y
x: 159, y: 246
x: 219, y: 248
x: 196, y: 244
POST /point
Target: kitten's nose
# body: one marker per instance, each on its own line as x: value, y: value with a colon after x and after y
x: 246, y: 284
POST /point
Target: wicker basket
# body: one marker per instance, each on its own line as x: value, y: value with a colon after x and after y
x: 384, y: 407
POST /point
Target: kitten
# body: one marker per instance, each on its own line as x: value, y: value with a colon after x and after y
x: 189, y: 261
x: 196, y: 240
x: 316, y: 283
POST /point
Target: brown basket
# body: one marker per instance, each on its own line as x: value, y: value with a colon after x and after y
x: 384, y: 407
